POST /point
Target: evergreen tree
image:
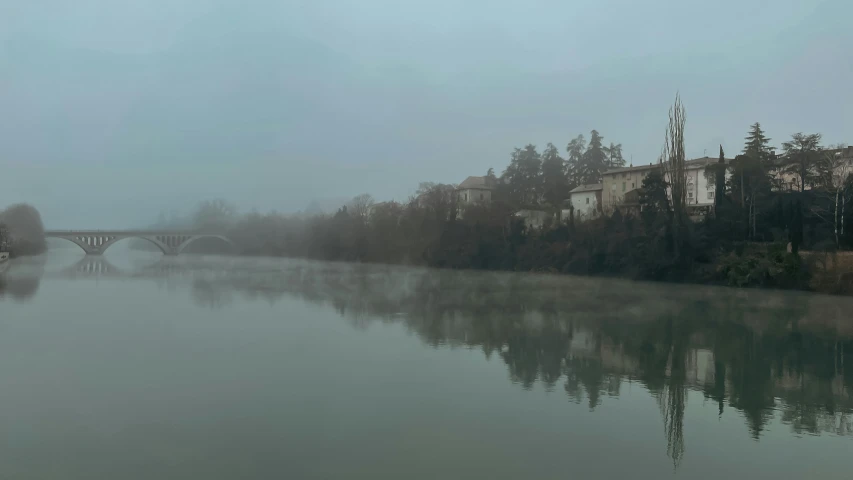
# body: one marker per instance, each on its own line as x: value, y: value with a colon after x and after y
x: 575, y: 149
x: 594, y: 160
x: 720, y: 180
x: 554, y: 180
x: 614, y: 156
x: 757, y: 144
x: 751, y: 180
x: 523, y: 176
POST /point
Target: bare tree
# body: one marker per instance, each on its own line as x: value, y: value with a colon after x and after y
x: 214, y: 215
x: 359, y: 206
x: 673, y: 161
x: 837, y: 174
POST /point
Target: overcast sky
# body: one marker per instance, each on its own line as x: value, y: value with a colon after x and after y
x: 112, y: 111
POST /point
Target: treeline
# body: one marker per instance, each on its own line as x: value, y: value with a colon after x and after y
x: 763, y: 203
x: 544, y: 180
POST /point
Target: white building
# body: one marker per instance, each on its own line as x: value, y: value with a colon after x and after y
x: 475, y: 190
x: 699, y: 190
x: 586, y: 200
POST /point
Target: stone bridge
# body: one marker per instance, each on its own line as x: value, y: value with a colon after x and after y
x: 95, y: 242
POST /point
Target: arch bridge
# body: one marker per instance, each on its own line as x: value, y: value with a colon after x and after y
x: 96, y: 242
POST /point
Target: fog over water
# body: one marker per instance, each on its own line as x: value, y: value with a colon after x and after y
x: 138, y: 365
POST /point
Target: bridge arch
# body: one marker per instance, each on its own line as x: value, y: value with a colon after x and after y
x: 99, y: 244
x: 160, y: 246
x: 72, y: 240
x: 96, y: 242
x: 200, y: 236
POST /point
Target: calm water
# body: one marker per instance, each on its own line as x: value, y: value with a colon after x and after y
x: 142, y: 367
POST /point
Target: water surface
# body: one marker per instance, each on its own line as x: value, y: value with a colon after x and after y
x: 202, y: 367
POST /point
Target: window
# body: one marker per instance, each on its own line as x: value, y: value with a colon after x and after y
x: 481, y: 196
x: 710, y: 195
x: 587, y: 200
x: 690, y: 195
x: 466, y: 197
x: 623, y: 186
x: 632, y: 186
x: 624, y: 175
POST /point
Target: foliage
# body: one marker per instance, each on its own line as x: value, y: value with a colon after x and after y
x: 720, y: 180
x: 653, y: 193
x: 764, y: 267
x: 523, y: 176
x: 757, y: 145
x: 554, y: 182
x: 803, y: 159
x: 593, y: 162
x: 614, y: 156
x: 216, y: 214
x: 575, y: 149
x: 24, y: 230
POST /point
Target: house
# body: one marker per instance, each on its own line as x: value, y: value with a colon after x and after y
x: 476, y: 190
x: 616, y: 182
x: 699, y: 195
x: 586, y: 200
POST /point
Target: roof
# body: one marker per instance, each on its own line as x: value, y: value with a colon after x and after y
x: 587, y: 188
x: 638, y: 168
x: 481, y: 183
x: 704, y: 161
x: 696, y: 162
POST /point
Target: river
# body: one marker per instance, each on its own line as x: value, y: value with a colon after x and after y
x: 136, y: 366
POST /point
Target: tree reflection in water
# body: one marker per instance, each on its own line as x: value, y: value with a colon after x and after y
x: 765, y: 354
x: 768, y: 355
x: 20, y: 281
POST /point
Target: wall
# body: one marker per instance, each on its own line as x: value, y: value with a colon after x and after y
x: 700, y: 186
x: 470, y: 196
x: 612, y: 193
x: 697, y: 185
x: 584, y: 210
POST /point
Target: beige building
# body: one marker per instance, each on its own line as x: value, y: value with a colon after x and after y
x: 619, y: 182
x: 616, y: 182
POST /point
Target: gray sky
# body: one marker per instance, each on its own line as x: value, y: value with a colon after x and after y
x: 111, y: 112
